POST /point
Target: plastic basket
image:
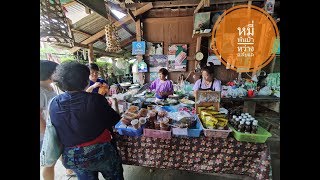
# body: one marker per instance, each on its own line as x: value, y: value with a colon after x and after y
x: 190, y: 132
x: 216, y: 133
x: 128, y: 131
x: 261, y: 136
x: 154, y: 133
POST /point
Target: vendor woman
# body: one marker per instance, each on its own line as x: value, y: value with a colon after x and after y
x: 207, y: 82
x: 162, y: 85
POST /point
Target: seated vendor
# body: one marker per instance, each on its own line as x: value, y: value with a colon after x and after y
x: 207, y: 81
x: 162, y: 85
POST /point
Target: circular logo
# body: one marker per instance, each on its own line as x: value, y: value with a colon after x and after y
x: 245, y: 38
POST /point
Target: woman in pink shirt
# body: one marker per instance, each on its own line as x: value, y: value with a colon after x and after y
x: 207, y: 82
x: 162, y: 85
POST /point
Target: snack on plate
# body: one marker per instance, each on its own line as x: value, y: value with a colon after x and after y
x: 133, y: 109
x: 130, y: 116
x: 186, y: 101
x: 143, y: 112
x: 125, y: 121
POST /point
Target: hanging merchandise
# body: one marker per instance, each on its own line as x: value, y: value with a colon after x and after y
x: 112, y: 38
x: 54, y: 27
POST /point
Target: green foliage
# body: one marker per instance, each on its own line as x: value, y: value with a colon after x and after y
x: 64, y: 55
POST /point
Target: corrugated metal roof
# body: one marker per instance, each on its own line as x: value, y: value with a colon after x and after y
x: 100, y: 45
x: 123, y: 34
x: 91, y: 24
x: 79, y: 37
x: 75, y: 12
x: 129, y: 47
x: 132, y: 27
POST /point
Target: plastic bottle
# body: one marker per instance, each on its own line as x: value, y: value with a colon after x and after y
x: 247, y: 127
x: 236, y: 124
x: 241, y: 127
x: 254, y: 127
x: 233, y: 120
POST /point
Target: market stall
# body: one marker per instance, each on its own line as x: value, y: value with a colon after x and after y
x: 178, y: 137
x: 187, y: 130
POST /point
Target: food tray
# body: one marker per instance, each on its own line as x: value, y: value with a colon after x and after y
x: 260, y: 137
x: 216, y: 133
x: 128, y: 131
x: 190, y: 132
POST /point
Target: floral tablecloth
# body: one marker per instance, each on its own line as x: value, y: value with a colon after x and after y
x: 203, y: 154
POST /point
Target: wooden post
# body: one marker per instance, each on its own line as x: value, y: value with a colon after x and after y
x: 138, y: 36
x: 139, y: 57
x: 198, y: 46
x: 138, y: 30
x: 91, y: 56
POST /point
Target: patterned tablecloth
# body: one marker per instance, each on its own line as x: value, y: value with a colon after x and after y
x: 208, y: 155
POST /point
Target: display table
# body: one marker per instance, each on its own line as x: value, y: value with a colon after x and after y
x: 249, y: 105
x: 206, y: 155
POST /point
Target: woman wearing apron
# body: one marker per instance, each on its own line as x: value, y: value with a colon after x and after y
x: 207, y: 82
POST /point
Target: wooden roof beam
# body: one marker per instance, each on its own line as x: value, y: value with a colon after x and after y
x: 126, y: 42
x: 182, y: 3
x: 116, y: 7
x: 114, y: 19
x: 101, y: 33
x: 199, y: 6
x: 86, y: 34
x: 135, y: 13
x: 131, y: 15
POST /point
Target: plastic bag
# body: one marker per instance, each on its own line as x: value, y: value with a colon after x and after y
x: 265, y: 91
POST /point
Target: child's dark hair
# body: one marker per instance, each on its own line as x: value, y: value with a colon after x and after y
x: 93, y: 66
x: 209, y: 69
x: 164, y: 71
